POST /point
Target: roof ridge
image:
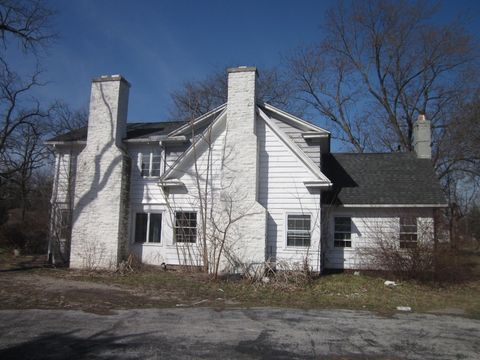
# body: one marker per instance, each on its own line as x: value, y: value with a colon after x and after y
x: 373, y: 153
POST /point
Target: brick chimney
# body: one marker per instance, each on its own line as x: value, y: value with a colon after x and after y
x: 240, y: 165
x: 100, y: 212
x: 422, y: 138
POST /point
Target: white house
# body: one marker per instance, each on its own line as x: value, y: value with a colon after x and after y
x: 243, y: 184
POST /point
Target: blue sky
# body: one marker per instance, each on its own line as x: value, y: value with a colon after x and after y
x: 157, y: 45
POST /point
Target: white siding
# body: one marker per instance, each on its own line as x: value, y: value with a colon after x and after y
x: 282, y: 192
x: 311, y: 149
x: 368, y: 227
x: 143, y: 189
x: 64, y: 176
x: 147, y: 196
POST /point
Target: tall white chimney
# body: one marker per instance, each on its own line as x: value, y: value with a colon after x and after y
x: 240, y: 167
x: 422, y: 137
x: 100, y: 212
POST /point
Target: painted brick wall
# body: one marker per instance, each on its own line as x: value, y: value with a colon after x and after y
x: 240, y: 167
x: 99, y: 223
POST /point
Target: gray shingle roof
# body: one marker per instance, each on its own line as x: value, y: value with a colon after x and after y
x: 381, y: 179
x: 134, y: 130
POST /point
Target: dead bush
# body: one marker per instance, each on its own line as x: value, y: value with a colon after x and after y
x: 281, y: 275
x: 132, y: 264
x: 423, y: 262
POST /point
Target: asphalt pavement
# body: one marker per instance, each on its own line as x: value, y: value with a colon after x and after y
x: 205, y: 333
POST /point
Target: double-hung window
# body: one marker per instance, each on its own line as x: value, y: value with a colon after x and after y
x: 185, y: 229
x: 298, y: 230
x: 343, y: 232
x: 148, y: 228
x: 408, y: 232
x: 62, y: 221
x: 150, y: 164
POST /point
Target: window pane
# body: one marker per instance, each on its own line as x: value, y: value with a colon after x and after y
x: 145, y: 166
x: 341, y: 227
x: 342, y: 232
x: 64, y: 224
x: 298, y: 230
x: 408, y: 220
x: 408, y: 244
x: 155, y: 228
x: 141, y: 227
x: 298, y: 239
x: 156, y: 163
x: 298, y: 222
x: 408, y: 232
x: 343, y: 236
x: 341, y: 243
x: 186, y: 227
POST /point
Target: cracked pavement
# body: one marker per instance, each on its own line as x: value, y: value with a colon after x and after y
x: 257, y: 333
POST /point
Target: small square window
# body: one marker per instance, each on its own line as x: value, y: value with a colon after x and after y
x: 185, y: 227
x: 298, y: 230
x: 150, y: 164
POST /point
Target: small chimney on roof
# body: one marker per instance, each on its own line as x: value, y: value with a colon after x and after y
x: 422, y: 137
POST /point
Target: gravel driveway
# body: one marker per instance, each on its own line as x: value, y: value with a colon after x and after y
x: 189, y: 333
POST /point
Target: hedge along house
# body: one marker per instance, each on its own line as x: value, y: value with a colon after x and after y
x: 243, y: 184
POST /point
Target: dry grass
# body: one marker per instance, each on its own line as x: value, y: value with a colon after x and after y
x: 153, y: 287
x: 345, y: 291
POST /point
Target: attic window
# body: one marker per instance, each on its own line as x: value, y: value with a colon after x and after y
x: 150, y: 164
x: 408, y: 232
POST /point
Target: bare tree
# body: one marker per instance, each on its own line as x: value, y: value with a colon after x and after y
x: 28, y: 155
x: 27, y: 22
x: 64, y: 118
x: 199, y: 97
x: 379, y: 65
x: 219, y: 209
x: 19, y: 113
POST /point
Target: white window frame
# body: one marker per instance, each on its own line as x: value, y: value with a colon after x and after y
x: 59, y: 228
x: 150, y: 154
x: 293, y: 247
x: 343, y: 232
x: 185, y: 243
x: 400, y: 232
x: 147, y: 234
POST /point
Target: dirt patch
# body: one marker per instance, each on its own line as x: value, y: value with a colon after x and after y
x: 104, y: 292
x: 28, y: 290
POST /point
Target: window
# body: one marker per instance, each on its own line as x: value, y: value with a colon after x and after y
x: 148, y: 228
x: 64, y: 224
x: 343, y: 232
x: 408, y: 232
x: 185, y: 227
x: 62, y: 221
x: 298, y: 230
x: 150, y: 164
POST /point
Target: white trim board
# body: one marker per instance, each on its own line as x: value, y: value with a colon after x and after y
x: 295, y: 119
x: 389, y: 206
x: 198, y: 120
